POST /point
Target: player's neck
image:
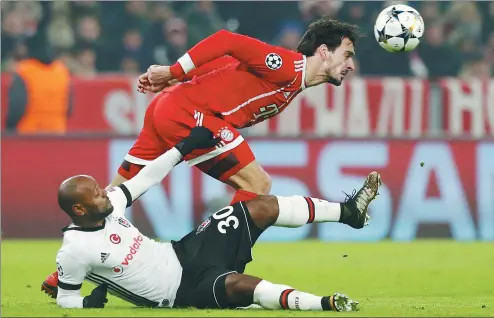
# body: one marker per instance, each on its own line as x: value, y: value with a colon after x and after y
x: 314, y: 74
x: 87, y: 224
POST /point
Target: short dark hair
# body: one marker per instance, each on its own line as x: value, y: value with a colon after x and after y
x: 329, y: 32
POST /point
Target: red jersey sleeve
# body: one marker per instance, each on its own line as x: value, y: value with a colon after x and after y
x: 209, y: 67
x: 272, y: 63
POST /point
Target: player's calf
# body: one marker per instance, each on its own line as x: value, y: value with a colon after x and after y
x: 243, y: 290
x: 296, y: 211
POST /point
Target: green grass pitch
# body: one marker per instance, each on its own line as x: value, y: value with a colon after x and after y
x: 422, y: 278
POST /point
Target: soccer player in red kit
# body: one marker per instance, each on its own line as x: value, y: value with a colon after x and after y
x: 230, y: 81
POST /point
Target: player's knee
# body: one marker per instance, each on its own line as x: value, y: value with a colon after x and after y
x: 240, y: 289
x: 262, y: 184
x: 267, y: 183
x: 263, y: 210
x: 251, y: 178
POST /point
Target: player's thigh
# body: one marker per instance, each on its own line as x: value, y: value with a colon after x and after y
x: 233, y: 162
x: 174, y: 118
x: 224, y: 239
x: 146, y: 148
x: 203, y: 287
x: 212, y: 287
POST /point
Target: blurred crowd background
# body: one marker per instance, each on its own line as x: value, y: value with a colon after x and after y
x: 127, y: 36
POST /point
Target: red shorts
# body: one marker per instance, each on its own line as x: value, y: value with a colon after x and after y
x: 168, y: 120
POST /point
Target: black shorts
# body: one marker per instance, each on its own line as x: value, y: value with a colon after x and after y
x: 221, y: 245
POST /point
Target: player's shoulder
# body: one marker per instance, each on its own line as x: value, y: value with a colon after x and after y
x: 285, y: 53
x: 281, y: 59
x: 73, y: 244
x: 77, y: 239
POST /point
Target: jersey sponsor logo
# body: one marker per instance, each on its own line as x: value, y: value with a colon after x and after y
x: 204, y: 225
x: 117, y: 270
x: 115, y: 239
x: 123, y: 222
x: 104, y: 257
x: 59, y: 269
x: 133, y: 249
x: 226, y: 134
x: 273, y: 61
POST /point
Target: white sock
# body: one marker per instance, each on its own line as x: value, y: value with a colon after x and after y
x: 296, y: 211
x: 274, y: 296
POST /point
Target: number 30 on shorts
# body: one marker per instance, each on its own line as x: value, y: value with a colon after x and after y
x: 227, y: 220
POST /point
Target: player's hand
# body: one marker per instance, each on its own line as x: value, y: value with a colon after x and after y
x: 199, y: 138
x: 159, y: 75
x: 97, y: 299
x: 143, y: 83
x: 144, y: 86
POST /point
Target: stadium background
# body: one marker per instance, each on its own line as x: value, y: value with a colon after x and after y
x: 434, y: 105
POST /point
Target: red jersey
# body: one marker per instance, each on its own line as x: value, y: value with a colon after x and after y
x: 257, y: 81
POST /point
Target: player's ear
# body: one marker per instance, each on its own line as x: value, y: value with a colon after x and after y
x: 78, y: 210
x: 323, y: 52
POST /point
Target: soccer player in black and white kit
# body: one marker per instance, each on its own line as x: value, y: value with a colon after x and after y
x: 204, y: 269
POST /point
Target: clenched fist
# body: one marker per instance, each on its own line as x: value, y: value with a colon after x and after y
x: 158, y: 74
x: 155, y: 79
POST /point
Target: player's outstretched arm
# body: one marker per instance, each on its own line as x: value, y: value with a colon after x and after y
x: 156, y: 171
x: 158, y: 77
x: 248, y: 50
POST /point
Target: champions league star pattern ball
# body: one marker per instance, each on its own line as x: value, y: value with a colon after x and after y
x: 399, y: 28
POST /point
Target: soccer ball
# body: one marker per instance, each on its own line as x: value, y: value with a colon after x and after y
x: 399, y: 28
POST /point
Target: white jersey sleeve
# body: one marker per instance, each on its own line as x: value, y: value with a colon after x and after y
x: 71, y: 273
x: 125, y: 194
x: 120, y: 199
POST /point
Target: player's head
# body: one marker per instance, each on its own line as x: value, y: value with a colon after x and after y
x: 334, y: 43
x: 82, y: 198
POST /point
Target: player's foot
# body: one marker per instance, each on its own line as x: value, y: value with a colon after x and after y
x: 340, y: 302
x: 355, y: 212
x: 50, y: 284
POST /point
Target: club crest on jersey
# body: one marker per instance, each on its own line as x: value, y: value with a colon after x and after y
x: 204, y: 225
x: 117, y: 270
x: 226, y: 134
x: 123, y: 222
x: 273, y: 61
x: 115, y: 239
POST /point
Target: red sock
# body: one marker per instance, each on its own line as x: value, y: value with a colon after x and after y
x: 242, y: 195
